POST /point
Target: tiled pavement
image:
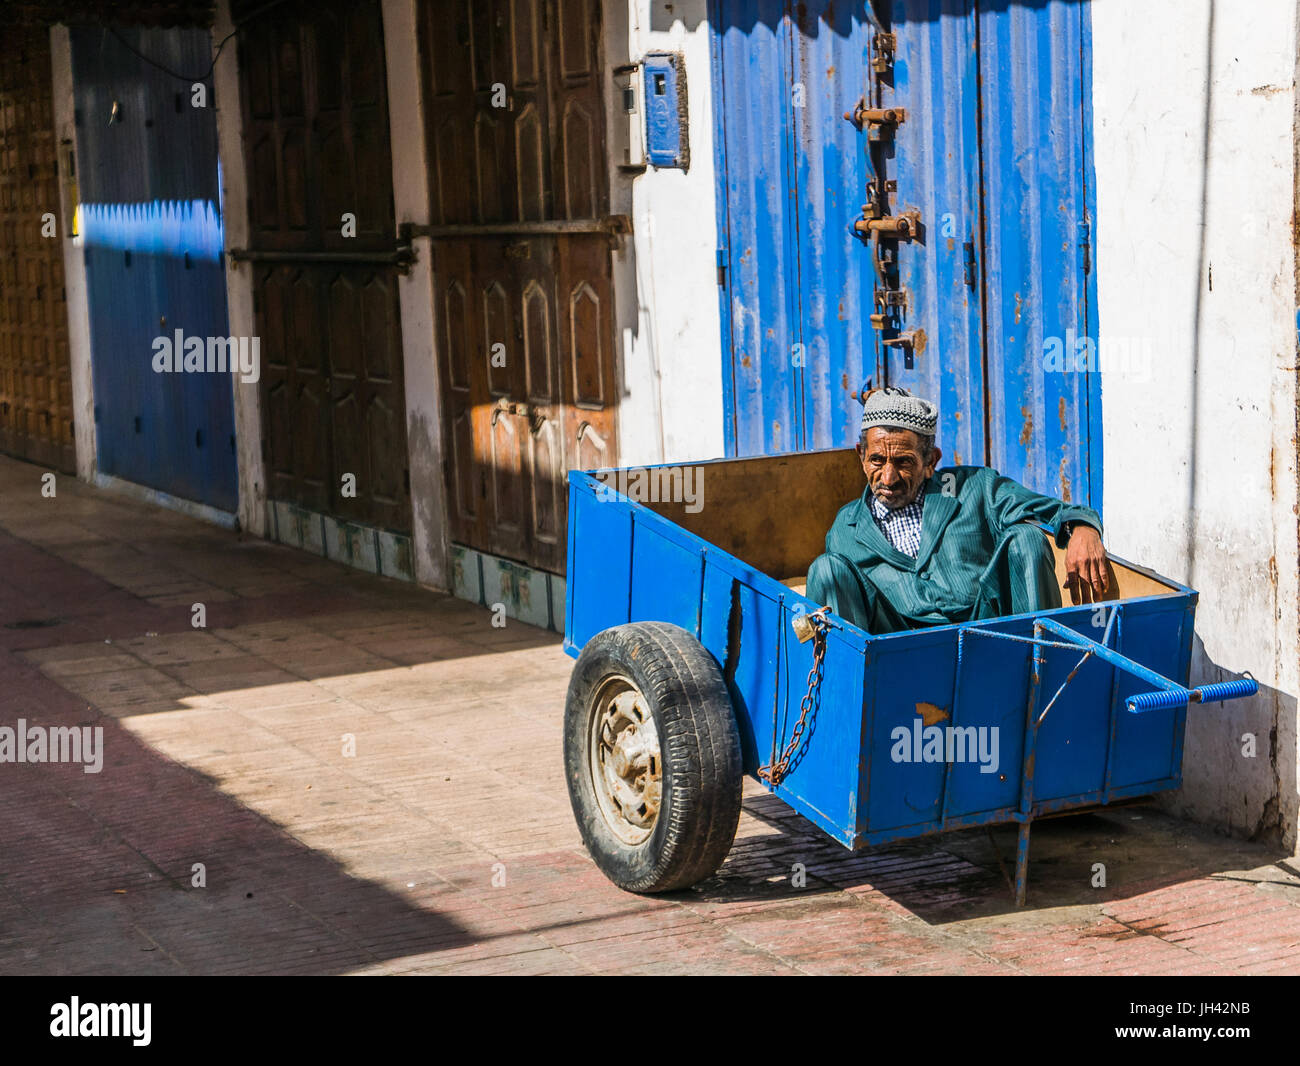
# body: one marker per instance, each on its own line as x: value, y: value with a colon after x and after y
x: 445, y: 843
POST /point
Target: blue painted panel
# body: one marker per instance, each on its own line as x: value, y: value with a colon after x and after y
x: 902, y: 789
x: 1009, y: 86
x: 596, y: 597
x: 1148, y: 746
x: 830, y: 45
x: 1073, y: 738
x: 758, y: 303
x: 792, y: 178
x: 993, y: 693
x: 664, y: 111
x: 655, y: 555
x: 1035, y: 63
x: 936, y: 165
x: 152, y: 233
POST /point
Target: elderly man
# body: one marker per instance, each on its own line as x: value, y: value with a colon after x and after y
x: 925, y: 547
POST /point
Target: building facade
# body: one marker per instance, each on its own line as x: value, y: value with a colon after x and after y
x: 481, y: 244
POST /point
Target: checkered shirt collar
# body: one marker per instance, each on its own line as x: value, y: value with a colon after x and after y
x: 902, y: 527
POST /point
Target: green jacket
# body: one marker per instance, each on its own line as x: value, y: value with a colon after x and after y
x: 967, y: 510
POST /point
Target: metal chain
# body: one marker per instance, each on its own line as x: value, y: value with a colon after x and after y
x: 776, y: 772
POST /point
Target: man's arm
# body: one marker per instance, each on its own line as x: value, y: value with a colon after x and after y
x: 1077, y: 529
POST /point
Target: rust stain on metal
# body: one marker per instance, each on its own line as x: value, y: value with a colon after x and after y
x: 744, y: 361
x: 930, y: 714
x: 1017, y: 309
x: 1027, y: 432
x: 1065, y: 480
x: 844, y: 380
x: 1060, y: 410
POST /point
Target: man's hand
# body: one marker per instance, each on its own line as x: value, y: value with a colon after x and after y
x: 1085, y: 564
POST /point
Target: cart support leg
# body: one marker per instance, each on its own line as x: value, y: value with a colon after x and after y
x: 1022, y: 863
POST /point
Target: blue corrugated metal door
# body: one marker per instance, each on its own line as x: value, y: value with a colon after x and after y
x: 1044, y: 384
x: 935, y: 168
x: 990, y: 151
x: 151, y: 227
x: 793, y: 173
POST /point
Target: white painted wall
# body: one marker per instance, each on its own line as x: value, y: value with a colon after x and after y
x: 429, y: 535
x: 665, y: 276
x: 1195, y: 134
x: 239, y: 276
x: 74, y: 261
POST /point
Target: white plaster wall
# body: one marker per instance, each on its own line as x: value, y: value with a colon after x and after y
x: 239, y: 276
x: 665, y: 276
x: 1195, y: 136
x: 429, y: 535
x: 74, y: 260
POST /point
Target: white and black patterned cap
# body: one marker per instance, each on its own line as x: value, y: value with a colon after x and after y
x: 896, y: 408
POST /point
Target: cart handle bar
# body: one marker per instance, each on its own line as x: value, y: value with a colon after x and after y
x: 1170, y: 694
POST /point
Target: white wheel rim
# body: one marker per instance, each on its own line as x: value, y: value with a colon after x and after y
x: 625, y: 760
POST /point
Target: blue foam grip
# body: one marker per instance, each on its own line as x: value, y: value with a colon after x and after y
x: 1221, y: 690
x: 1152, y: 701
x: 1228, y: 690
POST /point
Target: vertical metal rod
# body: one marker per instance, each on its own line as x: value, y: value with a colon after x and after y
x: 1114, y: 705
x: 699, y: 607
x: 952, y: 721
x: 776, y: 680
x: 1022, y: 863
x: 1036, y: 666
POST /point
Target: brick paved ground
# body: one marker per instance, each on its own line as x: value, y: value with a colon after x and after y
x: 224, y: 747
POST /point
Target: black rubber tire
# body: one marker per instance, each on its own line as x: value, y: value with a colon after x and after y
x: 699, y: 745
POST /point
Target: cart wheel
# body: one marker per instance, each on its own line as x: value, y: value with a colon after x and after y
x: 652, y: 757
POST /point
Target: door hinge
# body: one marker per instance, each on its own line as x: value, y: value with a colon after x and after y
x: 722, y: 268
x: 968, y: 263
x: 1085, y: 244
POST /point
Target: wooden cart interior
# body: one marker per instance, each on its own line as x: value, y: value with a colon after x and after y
x: 773, y: 513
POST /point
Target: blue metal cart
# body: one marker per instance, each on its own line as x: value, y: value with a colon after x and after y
x: 700, y: 659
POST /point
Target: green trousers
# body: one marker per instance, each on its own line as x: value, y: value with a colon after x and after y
x: 1020, y: 577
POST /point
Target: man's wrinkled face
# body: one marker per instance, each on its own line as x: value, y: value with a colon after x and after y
x: 895, y: 466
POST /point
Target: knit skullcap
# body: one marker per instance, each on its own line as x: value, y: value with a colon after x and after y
x: 896, y: 408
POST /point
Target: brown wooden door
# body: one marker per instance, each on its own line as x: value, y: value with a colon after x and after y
x: 316, y: 143
x: 521, y: 263
x: 35, y: 372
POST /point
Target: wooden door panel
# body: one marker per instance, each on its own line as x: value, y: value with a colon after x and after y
x: 35, y: 367
x: 317, y: 142
x: 514, y: 429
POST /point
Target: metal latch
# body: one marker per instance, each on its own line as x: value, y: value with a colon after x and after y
x: 536, y: 419
x: 911, y: 341
x: 904, y: 227
x: 875, y: 117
